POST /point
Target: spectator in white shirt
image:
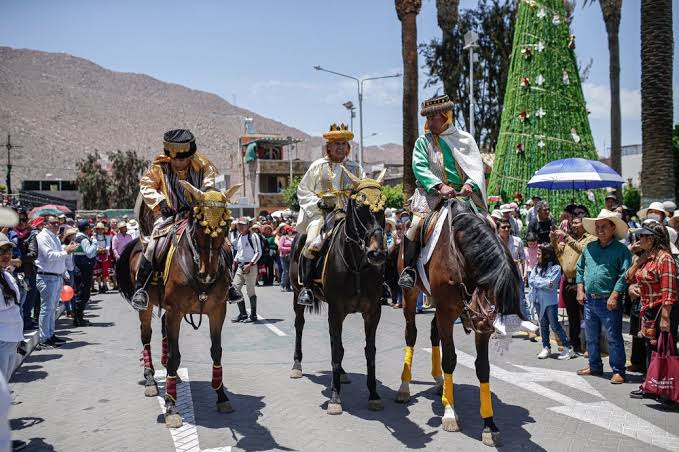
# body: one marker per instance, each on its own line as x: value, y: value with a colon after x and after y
x: 11, y: 321
x: 51, y: 266
x: 248, y: 251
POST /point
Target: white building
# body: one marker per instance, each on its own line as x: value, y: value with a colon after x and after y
x: 631, y: 163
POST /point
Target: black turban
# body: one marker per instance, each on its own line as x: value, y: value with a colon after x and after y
x: 179, y: 143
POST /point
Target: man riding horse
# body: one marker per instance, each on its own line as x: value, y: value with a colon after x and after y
x: 447, y: 163
x: 163, y: 194
x: 323, y: 189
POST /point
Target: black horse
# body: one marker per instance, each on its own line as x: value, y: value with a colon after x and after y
x: 351, y: 281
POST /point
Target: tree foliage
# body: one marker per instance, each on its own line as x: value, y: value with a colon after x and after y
x: 101, y: 189
x: 290, y: 195
x: 448, y: 64
x: 394, y: 196
x: 631, y: 197
x: 126, y: 170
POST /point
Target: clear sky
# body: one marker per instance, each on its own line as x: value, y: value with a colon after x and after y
x: 261, y: 54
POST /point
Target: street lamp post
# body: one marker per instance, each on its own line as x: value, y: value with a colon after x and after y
x: 470, y: 43
x: 359, y: 85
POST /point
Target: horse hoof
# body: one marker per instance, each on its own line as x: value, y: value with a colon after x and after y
x: 334, y: 408
x: 296, y: 373
x: 344, y: 379
x: 402, y: 397
x: 375, y: 405
x: 224, y: 407
x: 450, y: 424
x: 173, y: 420
x: 492, y: 439
x: 151, y: 391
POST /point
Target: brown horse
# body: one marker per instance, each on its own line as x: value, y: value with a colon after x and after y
x: 197, y: 280
x: 473, y: 276
x: 352, y: 277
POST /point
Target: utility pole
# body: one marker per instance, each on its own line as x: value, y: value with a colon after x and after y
x: 9, y: 147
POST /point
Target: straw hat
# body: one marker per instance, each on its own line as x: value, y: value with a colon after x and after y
x: 669, y: 206
x: 643, y: 213
x: 69, y: 232
x: 392, y: 222
x: 674, y: 221
x: 122, y: 224
x: 621, y: 227
x: 497, y: 214
x: 100, y: 225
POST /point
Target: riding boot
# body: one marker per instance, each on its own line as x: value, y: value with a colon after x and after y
x: 408, y: 277
x: 140, y: 299
x: 306, y: 297
x: 253, y: 310
x: 242, y: 315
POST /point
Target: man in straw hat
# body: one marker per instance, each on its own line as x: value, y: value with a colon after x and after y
x: 446, y: 163
x: 323, y: 189
x: 164, y: 195
x: 600, y: 280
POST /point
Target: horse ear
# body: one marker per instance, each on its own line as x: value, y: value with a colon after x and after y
x: 195, y: 193
x: 229, y: 193
x: 354, y: 180
x: 380, y: 178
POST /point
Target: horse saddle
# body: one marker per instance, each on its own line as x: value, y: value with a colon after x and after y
x: 165, y: 240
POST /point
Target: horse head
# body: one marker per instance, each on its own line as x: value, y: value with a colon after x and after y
x: 365, y: 216
x: 209, y: 222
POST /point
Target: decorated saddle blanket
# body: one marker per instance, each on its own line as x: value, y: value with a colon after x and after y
x: 431, y: 232
x: 164, y: 243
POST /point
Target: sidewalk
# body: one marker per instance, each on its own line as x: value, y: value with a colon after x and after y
x: 32, y: 339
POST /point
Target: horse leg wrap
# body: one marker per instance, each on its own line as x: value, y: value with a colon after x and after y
x: 171, y: 387
x: 406, y: 375
x: 163, y: 352
x: 146, y: 355
x: 486, y: 402
x: 216, y: 377
x: 447, y: 397
x: 436, y: 361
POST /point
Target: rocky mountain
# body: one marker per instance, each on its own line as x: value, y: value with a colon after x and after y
x: 59, y: 107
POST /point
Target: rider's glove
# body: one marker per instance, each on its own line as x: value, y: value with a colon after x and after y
x: 322, y: 205
x: 166, y: 211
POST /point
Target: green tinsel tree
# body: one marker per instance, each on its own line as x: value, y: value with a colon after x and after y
x: 544, y: 117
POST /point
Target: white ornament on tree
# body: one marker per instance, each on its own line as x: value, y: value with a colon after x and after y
x: 540, y: 113
x: 556, y: 20
x: 574, y: 135
x: 540, y: 47
x: 539, y: 80
x: 541, y: 143
x: 542, y: 13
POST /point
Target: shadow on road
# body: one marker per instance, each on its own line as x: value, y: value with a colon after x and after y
x: 394, y: 416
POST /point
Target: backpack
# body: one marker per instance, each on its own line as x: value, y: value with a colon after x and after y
x: 263, y: 247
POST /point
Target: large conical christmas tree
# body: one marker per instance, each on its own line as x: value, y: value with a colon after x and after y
x: 544, y: 117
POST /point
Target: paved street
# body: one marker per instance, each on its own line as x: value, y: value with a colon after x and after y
x: 86, y: 395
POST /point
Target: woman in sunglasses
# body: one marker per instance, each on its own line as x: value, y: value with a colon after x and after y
x: 655, y: 275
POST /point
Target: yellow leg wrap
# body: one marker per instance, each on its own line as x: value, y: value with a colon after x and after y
x: 407, y: 375
x: 447, y: 397
x: 486, y: 402
x: 436, y: 361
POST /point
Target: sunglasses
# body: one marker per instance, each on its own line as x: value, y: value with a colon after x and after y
x: 54, y: 223
x: 505, y: 227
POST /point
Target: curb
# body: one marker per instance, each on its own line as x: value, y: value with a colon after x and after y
x: 32, y: 340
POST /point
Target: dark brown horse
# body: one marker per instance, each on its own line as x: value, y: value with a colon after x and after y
x: 473, y: 276
x: 197, y: 281
x: 352, y: 278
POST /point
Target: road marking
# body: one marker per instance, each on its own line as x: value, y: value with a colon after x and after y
x: 600, y: 413
x: 185, y: 438
x: 270, y: 326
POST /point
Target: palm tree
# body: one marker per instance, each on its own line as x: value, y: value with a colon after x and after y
x: 447, y: 15
x: 407, y: 11
x: 657, y: 174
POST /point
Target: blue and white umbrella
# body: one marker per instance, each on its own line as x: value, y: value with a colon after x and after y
x: 575, y: 174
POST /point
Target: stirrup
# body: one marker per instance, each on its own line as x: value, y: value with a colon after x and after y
x: 234, y: 295
x: 408, y: 278
x: 140, y: 300
x: 306, y: 298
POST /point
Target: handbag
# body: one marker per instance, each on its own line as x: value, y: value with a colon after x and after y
x: 648, y: 327
x: 662, y: 376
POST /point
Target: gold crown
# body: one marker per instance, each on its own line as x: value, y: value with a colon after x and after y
x: 338, y: 133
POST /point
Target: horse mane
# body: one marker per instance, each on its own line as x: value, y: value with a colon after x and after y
x: 487, y: 260
x: 123, y: 277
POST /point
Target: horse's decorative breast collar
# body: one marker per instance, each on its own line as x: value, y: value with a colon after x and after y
x: 212, y: 213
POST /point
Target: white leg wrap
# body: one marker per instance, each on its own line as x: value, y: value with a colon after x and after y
x: 449, y: 412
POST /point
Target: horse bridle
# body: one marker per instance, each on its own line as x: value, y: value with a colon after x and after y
x: 369, y: 232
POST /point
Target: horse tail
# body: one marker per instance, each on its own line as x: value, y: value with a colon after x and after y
x: 123, y: 276
x: 488, y: 261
